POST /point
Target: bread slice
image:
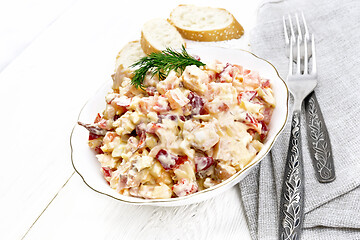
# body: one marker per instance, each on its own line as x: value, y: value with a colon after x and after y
x: 129, y: 54
x: 158, y: 34
x: 205, y: 24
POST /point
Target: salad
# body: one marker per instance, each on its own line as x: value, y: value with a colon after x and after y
x: 183, y: 134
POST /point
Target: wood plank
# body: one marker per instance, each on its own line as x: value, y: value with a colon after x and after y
x: 80, y: 213
x: 22, y: 21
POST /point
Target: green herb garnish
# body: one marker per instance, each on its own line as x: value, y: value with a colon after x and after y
x: 161, y: 63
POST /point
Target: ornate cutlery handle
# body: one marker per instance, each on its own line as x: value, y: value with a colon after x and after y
x: 319, y: 141
x: 292, y: 196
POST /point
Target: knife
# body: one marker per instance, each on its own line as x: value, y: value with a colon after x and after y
x: 319, y: 141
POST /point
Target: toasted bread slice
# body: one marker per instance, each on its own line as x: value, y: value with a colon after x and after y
x: 205, y: 24
x: 129, y: 54
x: 158, y: 34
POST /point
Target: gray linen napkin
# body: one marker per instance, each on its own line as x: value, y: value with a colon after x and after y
x: 332, y: 210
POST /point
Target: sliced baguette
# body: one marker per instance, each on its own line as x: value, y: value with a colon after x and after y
x: 129, y: 54
x: 158, y: 34
x: 205, y: 24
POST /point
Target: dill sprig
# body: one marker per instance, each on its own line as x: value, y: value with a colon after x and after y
x: 161, y: 63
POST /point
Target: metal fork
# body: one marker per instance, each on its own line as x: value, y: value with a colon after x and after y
x: 317, y: 134
x: 292, y: 37
x: 300, y: 85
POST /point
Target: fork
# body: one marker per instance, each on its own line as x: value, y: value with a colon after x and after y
x: 301, y: 83
x: 318, y: 136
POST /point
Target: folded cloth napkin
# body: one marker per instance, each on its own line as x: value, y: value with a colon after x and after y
x: 332, y: 210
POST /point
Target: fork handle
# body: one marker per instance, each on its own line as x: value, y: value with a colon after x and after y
x: 292, y: 195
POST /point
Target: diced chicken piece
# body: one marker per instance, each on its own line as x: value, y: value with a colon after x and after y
x: 190, y: 125
x: 195, y: 79
x: 267, y: 95
x: 161, y: 105
x: 170, y: 82
x: 105, y: 123
x: 134, y: 191
x: 162, y: 191
x: 145, y: 104
x: 144, y: 176
x: 223, y: 150
x: 106, y: 160
x: 209, y: 182
x: 151, y: 80
x: 146, y: 191
x: 124, y: 124
x: 150, y: 141
x: 251, y: 78
x: 129, y: 90
x: 205, y: 137
x: 184, y: 147
x: 119, y: 149
x: 234, y: 151
x: 109, y: 112
x: 96, y: 144
x: 215, y: 66
x: 109, y: 137
x: 256, y: 145
x: 235, y: 130
x: 151, y: 91
x: 110, y: 142
x: 166, y: 136
x: 119, y: 76
x: 246, y: 96
x: 132, y: 144
x: 185, y: 170
x: 156, y: 169
x: 110, y: 97
x: 253, y: 108
x: 228, y: 73
x: 184, y: 187
x: 114, y: 181
x: 176, y: 98
x: 144, y: 162
x: 222, y: 96
x: 121, y: 101
x: 240, y: 69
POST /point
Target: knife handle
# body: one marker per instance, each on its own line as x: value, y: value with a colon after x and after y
x: 292, y: 195
x: 319, y: 141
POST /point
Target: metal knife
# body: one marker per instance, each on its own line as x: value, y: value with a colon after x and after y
x: 319, y: 141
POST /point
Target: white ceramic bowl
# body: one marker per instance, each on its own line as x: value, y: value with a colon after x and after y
x: 87, y: 166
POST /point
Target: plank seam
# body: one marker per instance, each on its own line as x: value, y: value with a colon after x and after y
x: 23, y: 237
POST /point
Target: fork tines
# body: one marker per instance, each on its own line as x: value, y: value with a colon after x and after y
x: 302, y: 54
x: 298, y: 29
x: 302, y: 39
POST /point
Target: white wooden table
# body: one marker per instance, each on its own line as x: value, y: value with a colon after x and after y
x: 53, y: 57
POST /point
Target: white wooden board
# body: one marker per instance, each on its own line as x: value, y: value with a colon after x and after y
x: 65, y: 59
